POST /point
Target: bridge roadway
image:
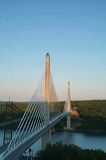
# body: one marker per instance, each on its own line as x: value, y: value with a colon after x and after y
x: 22, y: 147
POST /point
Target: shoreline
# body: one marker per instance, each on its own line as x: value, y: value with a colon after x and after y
x: 81, y: 131
x: 89, y: 131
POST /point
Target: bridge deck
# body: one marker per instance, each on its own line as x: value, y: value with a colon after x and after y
x: 20, y: 148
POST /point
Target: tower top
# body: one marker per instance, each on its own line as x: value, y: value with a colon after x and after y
x: 47, y: 55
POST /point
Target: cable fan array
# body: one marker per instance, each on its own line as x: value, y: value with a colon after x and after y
x: 37, y: 114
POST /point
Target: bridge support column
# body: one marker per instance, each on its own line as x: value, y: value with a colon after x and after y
x: 46, y: 138
x: 69, y: 108
x: 68, y: 121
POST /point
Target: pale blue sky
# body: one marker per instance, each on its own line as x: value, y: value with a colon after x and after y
x: 72, y: 31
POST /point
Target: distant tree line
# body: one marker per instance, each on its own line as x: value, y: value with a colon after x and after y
x: 93, y: 112
x: 91, y: 108
x: 87, y: 109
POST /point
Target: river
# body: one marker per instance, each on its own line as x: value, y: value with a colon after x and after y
x: 83, y: 140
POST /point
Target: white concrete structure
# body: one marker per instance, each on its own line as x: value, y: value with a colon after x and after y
x: 46, y: 138
x: 69, y: 108
x: 36, y: 122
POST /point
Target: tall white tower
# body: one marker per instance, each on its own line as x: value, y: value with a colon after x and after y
x: 69, y: 98
x: 47, y: 78
x: 46, y: 138
x: 69, y: 108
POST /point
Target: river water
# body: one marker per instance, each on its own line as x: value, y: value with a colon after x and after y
x: 83, y: 140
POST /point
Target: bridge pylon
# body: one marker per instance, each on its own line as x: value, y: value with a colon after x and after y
x: 69, y: 108
x: 46, y: 138
x: 39, y: 117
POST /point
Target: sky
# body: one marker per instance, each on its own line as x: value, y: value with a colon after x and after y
x: 74, y: 34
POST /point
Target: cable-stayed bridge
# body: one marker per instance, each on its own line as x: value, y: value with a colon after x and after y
x: 42, y: 113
